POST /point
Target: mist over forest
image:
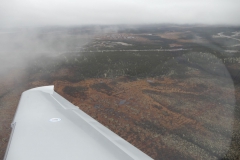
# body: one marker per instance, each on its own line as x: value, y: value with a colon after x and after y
x: 163, y: 75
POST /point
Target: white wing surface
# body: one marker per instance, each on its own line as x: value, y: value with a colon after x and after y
x: 48, y: 127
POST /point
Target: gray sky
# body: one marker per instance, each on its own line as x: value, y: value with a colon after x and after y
x: 28, y: 13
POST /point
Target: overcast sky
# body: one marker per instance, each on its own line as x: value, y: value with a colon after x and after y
x: 28, y: 13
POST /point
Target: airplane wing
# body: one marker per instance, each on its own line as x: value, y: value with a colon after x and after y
x: 48, y: 127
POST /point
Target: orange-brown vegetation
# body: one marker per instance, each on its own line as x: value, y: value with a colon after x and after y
x: 156, y: 115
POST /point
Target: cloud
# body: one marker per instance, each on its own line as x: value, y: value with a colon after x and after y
x: 14, y: 13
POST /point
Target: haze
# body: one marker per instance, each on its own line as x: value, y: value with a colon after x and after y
x: 32, y: 13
